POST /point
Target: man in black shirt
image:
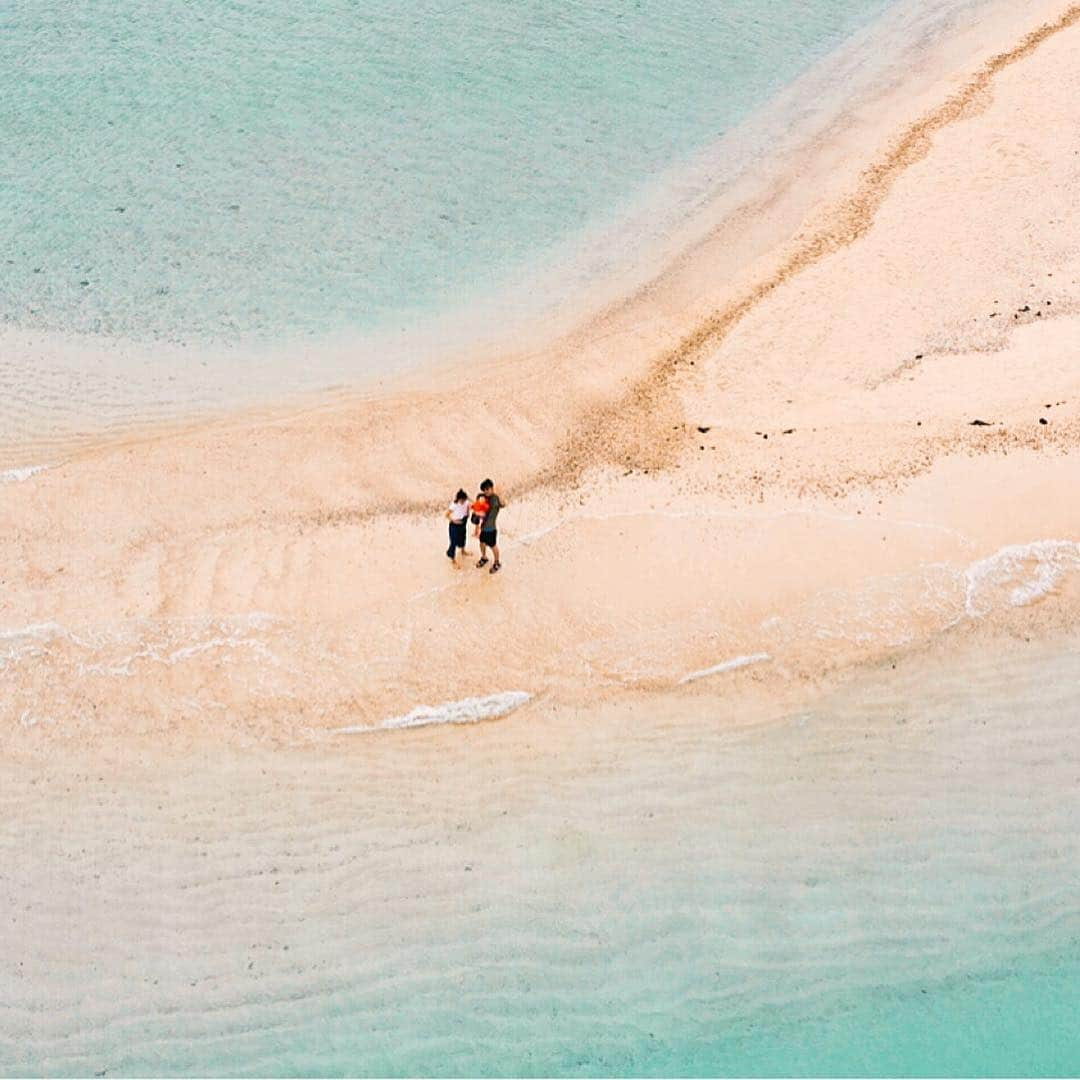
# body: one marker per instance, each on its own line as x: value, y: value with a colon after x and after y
x: 489, y: 533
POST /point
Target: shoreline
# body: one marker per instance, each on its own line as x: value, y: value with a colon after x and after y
x: 774, y: 633
x: 728, y: 220
x: 224, y: 911
x: 792, y: 476
x: 755, y: 696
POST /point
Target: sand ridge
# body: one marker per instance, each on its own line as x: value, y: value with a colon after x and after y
x: 604, y: 437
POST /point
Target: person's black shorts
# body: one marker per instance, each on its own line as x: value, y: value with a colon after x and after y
x: 490, y: 538
x: 476, y: 519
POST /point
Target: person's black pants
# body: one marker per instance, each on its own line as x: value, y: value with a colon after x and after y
x: 457, y: 537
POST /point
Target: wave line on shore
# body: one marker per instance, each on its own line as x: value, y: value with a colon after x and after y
x: 1028, y: 572
x: 17, y: 476
x: 471, y: 710
x: 726, y: 665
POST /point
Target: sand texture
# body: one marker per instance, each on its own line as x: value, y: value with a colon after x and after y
x: 848, y: 442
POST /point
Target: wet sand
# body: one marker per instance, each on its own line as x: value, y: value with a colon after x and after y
x: 858, y: 441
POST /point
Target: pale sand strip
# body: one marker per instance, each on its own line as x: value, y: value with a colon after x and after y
x: 267, y: 578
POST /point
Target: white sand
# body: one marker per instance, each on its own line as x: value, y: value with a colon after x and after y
x: 775, y: 459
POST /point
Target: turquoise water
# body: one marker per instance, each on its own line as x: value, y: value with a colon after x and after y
x: 226, y: 171
x: 886, y: 883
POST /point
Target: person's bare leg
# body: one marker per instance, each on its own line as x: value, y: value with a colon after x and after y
x: 496, y: 562
x: 483, y: 554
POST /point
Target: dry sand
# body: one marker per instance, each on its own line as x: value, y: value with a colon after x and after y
x: 770, y: 452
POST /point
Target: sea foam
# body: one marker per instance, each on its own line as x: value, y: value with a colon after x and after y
x: 467, y: 711
x: 15, y: 476
x: 726, y: 665
x: 1024, y: 572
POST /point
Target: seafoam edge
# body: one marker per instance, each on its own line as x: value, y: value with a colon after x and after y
x: 726, y: 665
x: 17, y: 476
x: 470, y: 710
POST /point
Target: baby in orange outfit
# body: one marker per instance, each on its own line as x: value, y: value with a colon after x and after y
x: 479, y: 512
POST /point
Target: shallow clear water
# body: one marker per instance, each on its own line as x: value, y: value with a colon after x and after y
x: 884, y: 883
x: 210, y: 171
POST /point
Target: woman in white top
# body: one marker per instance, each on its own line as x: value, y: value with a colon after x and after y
x: 458, y: 516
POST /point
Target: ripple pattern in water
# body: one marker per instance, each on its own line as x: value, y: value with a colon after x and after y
x: 886, y: 883
x: 202, y: 171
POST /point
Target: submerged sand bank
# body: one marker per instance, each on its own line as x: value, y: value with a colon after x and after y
x: 775, y: 456
x: 570, y: 879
